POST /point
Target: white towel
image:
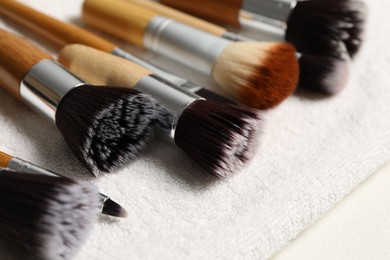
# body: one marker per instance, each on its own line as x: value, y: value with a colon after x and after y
x: 313, y: 152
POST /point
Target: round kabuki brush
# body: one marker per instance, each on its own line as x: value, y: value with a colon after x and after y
x: 45, y: 217
x: 107, y: 206
x: 63, y: 33
x: 259, y: 74
x: 318, y: 73
x: 219, y: 137
x: 105, y: 127
x: 313, y: 26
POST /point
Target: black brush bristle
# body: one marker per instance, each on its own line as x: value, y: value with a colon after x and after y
x: 323, y: 74
x: 221, y: 138
x: 45, y: 217
x: 112, y: 208
x: 317, y: 26
x: 106, y: 126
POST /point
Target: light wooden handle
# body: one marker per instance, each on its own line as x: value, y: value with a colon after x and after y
x: 181, y: 17
x: 100, y: 68
x: 52, y: 29
x: 122, y: 19
x: 4, y: 159
x: 17, y: 56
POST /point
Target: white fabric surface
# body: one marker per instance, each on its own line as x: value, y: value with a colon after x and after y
x: 313, y: 153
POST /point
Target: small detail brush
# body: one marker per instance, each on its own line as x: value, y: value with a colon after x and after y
x: 105, y: 127
x: 63, y: 33
x: 314, y: 26
x: 260, y: 75
x: 220, y: 137
x: 107, y: 207
x: 45, y: 217
x: 322, y: 74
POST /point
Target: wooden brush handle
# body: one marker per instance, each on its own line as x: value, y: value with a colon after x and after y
x: 181, y: 17
x: 17, y: 56
x: 4, y: 159
x: 59, y: 32
x: 101, y: 68
x: 128, y: 21
x: 226, y: 12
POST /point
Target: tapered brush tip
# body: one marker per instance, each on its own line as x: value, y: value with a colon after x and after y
x: 112, y: 208
x: 221, y: 138
x: 323, y: 74
x: 314, y: 27
x: 258, y: 74
x: 106, y: 127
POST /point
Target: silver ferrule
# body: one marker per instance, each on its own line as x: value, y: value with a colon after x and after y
x: 173, y: 98
x: 278, y: 10
x: 45, y: 85
x: 236, y: 37
x: 187, y: 45
x: 19, y: 165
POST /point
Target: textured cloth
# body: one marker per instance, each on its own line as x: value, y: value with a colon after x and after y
x: 313, y: 152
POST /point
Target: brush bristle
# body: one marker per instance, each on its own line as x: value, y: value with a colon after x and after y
x: 221, y: 138
x: 316, y: 26
x: 106, y: 126
x: 261, y: 75
x: 323, y: 74
x: 45, y: 217
x: 112, y: 208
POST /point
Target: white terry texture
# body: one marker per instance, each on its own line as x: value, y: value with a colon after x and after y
x: 313, y: 153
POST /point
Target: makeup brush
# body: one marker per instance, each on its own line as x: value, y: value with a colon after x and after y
x: 62, y: 33
x: 45, y: 217
x: 105, y: 127
x: 258, y: 74
x: 324, y: 74
x: 313, y: 26
x: 107, y: 205
x: 220, y: 137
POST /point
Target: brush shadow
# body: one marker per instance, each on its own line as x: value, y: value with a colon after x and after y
x: 104, y: 219
x: 311, y: 95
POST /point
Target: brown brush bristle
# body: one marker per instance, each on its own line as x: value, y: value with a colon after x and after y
x: 259, y: 74
x: 4, y: 159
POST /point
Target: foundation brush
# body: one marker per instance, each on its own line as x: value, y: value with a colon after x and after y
x: 105, y: 127
x: 258, y: 74
x: 318, y: 73
x: 45, y: 217
x: 313, y: 26
x: 221, y: 138
x: 107, y: 205
x: 62, y: 33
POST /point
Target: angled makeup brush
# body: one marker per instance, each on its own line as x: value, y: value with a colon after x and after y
x: 105, y: 127
x: 259, y: 74
x: 220, y: 137
x: 323, y: 74
x: 63, y: 33
x: 107, y: 205
x: 313, y: 26
x: 45, y: 217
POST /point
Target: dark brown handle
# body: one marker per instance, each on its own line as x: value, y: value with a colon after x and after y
x: 17, y: 56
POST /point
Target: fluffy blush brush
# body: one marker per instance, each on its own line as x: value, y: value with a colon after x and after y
x: 313, y: 26
x: 105, y: 127
x: 318, y: 73
x: 107, y: 206
x: 258, y: 74
x: 45, y: 217
x: 220, y: 137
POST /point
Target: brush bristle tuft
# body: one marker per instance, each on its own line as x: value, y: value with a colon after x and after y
x: 45, y: 217
x: 323, y: 74
x: 261, y: 75
x: 106, y: 126
x: 221, y: 138
x: 316, y: 26
x: 112, y: 208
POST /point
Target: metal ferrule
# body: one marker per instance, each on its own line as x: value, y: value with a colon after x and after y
x: 173, y: 98
x: 45, y: 85
x: 187, y: 45
x: 236, y: 37
x: 275, y: 9
x: 19, y: 165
